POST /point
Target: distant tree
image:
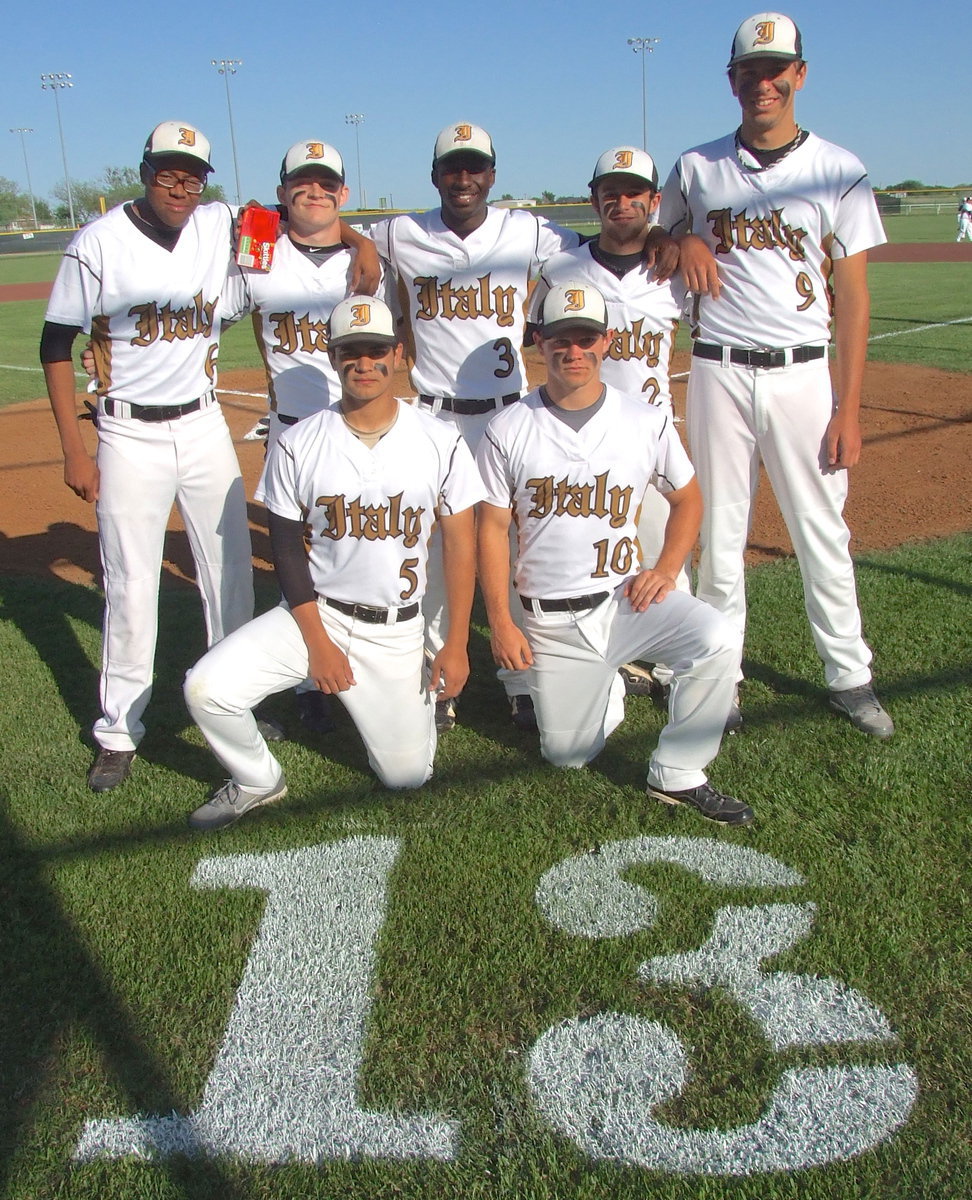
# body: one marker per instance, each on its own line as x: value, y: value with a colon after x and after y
x: 116, y: 185
x: 14, y: 204
x: 572, y: 199
x: 546, y: 198
x: 907, y: 185
x: 507, y: 196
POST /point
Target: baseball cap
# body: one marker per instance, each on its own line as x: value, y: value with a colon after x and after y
x: 626, y: 160
x: 769, y: 34
x: 463, y: 137
x: 177, y: 137
x: 361, y: 318
x: 573, y: 305
x: 311, y: 154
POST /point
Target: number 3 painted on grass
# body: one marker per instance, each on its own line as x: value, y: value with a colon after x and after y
x: 283, y: 1086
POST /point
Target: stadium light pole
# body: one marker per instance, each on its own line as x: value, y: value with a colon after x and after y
x: 53, y: 83
x: 644, y: 46
x: 357, y: 119
x: 227, y: 67
x: 30, y: 189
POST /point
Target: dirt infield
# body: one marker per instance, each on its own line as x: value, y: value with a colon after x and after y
x: 913, y: 482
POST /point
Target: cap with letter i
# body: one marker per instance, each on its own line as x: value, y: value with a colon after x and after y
x: 626, y: 160
x: 302, y: 156
x: 769, y: 35
x: 463, y: 138
x: 573, y: 305
x: 177, y: 137
x: 361, y: 318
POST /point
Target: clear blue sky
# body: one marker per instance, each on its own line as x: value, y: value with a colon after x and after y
x: 554, y: 82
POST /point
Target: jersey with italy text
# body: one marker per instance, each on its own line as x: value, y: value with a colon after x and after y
x: 463, y: 300
x: 774, y: 233
x: 153, y: 314
x: 643, y: 312
x: 576, y: 494
x: 369, y: 512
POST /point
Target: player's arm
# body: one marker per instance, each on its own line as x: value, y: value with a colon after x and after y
x: 681, y: 530
x: 366, y: 269
x: 328, y: 665
x: 510, y: 647
x: 450, y: 667
x: 852, y: 314
x: 80, y: 469
x: 697, y: 265
x: 661, y: 253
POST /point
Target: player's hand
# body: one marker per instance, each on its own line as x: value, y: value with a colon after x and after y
x: 842, y: 443
x: 330, y: 670
x: 88, y: 360
x: 365, y: 269
x: 650, y: 587
x: 449, y: 672
x: 82, y: 476
x: 510, y: 648
x: 661, y: 253
x: 697, y: 266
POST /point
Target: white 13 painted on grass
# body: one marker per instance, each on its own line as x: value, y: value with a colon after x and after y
x: 283, y: 1086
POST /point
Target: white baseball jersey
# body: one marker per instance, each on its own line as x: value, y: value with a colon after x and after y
x: 773, y: 233
x: 464, y: 299
x: 575, y: 494
x: 290, y: 306
x: 369, y: 512
x: 131, y: 294
x: 642, y: 311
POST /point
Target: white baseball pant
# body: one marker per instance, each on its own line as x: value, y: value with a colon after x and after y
x: 579, y: 697
x: 736, y: 416
x: 390, y: 703
x: 145, y: 466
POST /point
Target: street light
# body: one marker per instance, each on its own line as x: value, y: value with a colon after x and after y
x: 227, y: 67
x: 643, y: 46
x: 357, y: 119
x: 30, y: 190
x: 53, y: 83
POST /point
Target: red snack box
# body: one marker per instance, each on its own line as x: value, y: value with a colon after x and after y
x: 258, y: 236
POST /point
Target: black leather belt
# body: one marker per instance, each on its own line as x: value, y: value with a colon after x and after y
x: 765, y: 359
x: 469, y: 408
x: 371, y: 615
x: 154, y: 412
x: 567, y: 604
x: 287, y: 420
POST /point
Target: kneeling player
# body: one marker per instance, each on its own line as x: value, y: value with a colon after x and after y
x: 572, y: 461
x: 365, y: 478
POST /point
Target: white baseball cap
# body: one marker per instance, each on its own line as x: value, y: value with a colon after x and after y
x: 361, y: 318
x: 311, y: 154
x: 768, y: 34
x: 177, y: 137
x: 626, y: 160
x: 573, y: 305
x: 463, y: 137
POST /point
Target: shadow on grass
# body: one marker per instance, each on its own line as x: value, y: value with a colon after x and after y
x: 53, y: 984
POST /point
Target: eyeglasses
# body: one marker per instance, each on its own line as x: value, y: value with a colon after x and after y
x: 192, y: 185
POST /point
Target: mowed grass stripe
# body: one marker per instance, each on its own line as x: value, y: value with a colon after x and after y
x: 125, y: 1010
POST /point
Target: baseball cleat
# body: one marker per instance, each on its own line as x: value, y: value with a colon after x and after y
x: 522, y: 712
x: 109, y: 769
x: 734, y: 721
x: 638, y: 680
x: 270, y: 730
x: 314, y: 712
x: 228, y: 803
x: 259, y: 431
x: 713, y: 805
x: 863, y: 709
x: 445, y: 715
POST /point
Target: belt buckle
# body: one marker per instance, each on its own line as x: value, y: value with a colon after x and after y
x: 578, y: 604
x: 370, y: 615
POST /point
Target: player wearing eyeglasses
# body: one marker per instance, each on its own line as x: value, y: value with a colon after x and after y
x: 145, y: 280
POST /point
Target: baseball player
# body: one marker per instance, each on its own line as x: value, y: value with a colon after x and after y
x: 569, y: 464
x: 145, y: 281
x: 781, y: 218
x: 290, y: 306
x: 965, y: 220
x: 365, y: 477
x: 462, y: 274
x: 643, y: 314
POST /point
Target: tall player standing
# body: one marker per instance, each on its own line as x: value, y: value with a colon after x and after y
x: 463, y: 272
x: 365, y: 478
x: 783, y: 218
x: 145, y: 281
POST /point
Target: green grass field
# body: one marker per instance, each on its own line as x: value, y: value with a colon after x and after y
x: 122, y: 978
